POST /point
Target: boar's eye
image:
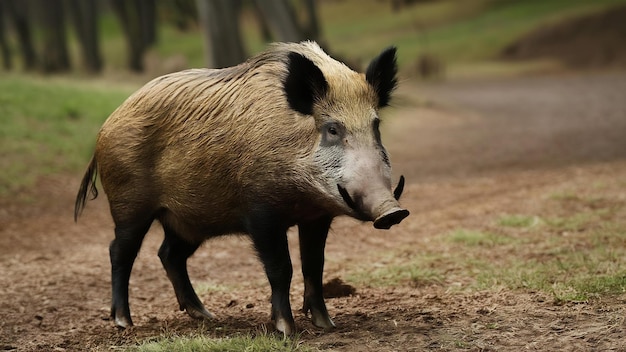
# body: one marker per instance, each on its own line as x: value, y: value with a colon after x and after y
x: 332, y: 133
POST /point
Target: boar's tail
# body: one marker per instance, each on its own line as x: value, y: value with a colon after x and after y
x: 87, y: 185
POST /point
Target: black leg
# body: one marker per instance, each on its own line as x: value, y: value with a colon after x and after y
x: 312, y: 242
x: 174, y: 253
x: 123, y: 251
x: 270, y: 241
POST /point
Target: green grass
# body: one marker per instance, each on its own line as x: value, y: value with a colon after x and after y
x: 576, y: 222
x: 568, y: 276
x: 260, y: 343
x: 478, y: 238
x: 577, y: 256
x: 419, y: 270
x: 518, y: 221
x: 50, y: 126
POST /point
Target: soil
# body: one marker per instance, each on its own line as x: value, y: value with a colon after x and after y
x: 469, y: 150
x: 589, y: 41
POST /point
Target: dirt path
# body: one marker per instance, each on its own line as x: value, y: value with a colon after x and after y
x: 480, y: 149
x: 476, y: 127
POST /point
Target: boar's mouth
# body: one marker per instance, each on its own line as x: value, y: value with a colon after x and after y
x: 352, y: 204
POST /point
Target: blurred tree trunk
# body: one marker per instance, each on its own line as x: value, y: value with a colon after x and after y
x: 220, y: 22
x: 266, y: 34
x: 281, y: 19
x: 85, y: 18
x: 148, y: 19
x: 17, y: 11
x: 126, y: 12
x: 55, y: 57
x: 181, y: 13
x: 4, y: 46
x: 138, y: 20
x: 312, y: 29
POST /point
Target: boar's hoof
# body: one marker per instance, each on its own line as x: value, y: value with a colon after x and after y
x: 284, y: 326
x: 123, y: 322
x: 199, y: 313
x: 391, y: 217
x: 322, y: 321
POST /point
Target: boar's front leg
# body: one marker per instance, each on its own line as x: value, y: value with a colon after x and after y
x: 270, y: 240
x: 312, y: 242
x: 174, y: 253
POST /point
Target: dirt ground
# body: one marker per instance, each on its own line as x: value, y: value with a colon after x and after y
x: 469, y: 150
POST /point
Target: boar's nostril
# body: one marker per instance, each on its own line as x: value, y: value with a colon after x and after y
x: 399, y: 188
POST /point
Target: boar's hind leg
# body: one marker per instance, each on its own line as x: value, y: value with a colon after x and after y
x: 174, y: 253
x: 123, y: 251
x: 270, y: 241
x: 312, y: 242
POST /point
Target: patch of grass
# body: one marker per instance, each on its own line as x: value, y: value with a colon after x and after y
x: 49, y: 126
x: 518, y: 221
x: 417, y: 271
x: 572, y: 270
x: 413, y: 274
x: 602, y: 284
x: 261, y: 343
x: 492, y: 326
x: 477, y: 238
x: 586, y: 287
x: 461, y: 344
x: 564, y: 196
x: 576, y: 222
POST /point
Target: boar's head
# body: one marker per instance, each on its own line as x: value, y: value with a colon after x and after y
x: 349, y: 154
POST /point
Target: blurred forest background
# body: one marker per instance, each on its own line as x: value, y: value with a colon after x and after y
x: 159, y: 36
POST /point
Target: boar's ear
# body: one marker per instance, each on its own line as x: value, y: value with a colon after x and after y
x: 305, y: 83
x: 381, y: 74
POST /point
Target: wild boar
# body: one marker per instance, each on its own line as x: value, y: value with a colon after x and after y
x: 289, y: 137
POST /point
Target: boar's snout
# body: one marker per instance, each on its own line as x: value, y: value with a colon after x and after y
x: 379, y: 207
x: 391, y: 217
x: 394, y: 215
